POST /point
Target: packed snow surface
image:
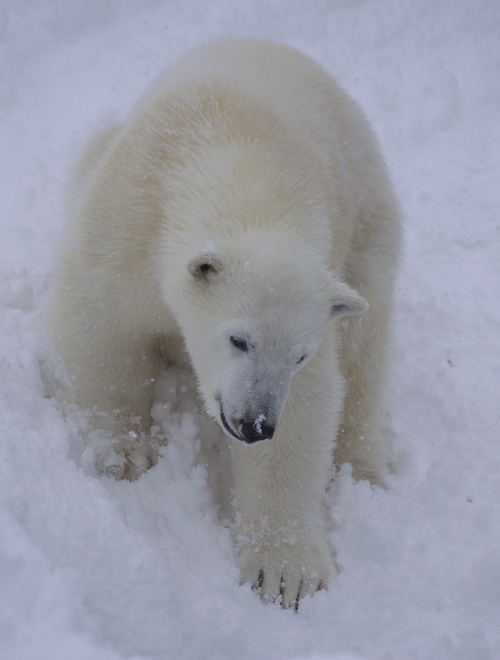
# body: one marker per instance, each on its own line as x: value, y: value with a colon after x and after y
x: 91, y: 569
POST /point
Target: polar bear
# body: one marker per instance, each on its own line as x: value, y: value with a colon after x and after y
x: 241, y: 221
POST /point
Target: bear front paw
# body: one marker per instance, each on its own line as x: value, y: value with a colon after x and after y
x: 126, y: 459
x: 289, y: 574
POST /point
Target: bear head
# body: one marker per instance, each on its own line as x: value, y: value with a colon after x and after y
x: 253, y: 310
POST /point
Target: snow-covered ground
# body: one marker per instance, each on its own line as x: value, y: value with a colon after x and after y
x: 91, y: 569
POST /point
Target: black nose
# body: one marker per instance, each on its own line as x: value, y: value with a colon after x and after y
x: 255, y: 431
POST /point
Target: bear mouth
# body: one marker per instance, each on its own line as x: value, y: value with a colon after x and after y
x: 226, y: 425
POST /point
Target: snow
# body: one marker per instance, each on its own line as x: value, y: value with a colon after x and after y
x: 91, y: 569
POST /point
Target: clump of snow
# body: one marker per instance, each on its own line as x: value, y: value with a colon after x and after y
x: 209, y: 247
x: 258, y: 423
x: 92, y: 569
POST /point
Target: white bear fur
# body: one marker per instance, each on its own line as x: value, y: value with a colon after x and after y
x: 245, y: 197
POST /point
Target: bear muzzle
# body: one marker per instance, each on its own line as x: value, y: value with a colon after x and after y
x: 248, y: 431
x: 255, y: 431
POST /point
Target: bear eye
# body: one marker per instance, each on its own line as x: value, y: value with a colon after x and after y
x: 238, y: 343
x: 301, y: 359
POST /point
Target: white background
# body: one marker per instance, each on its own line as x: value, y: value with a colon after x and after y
x: 95, y: 570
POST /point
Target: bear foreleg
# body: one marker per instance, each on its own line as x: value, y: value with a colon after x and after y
x: 281, y: 530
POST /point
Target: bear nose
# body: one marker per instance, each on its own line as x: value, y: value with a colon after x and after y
x: 255, y: 431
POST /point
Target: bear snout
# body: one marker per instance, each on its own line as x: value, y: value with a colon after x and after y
x: 248, y: 431
x: 256, y: 430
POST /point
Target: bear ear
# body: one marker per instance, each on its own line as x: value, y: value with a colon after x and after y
x: 345, y: 300
x: 202, y: 265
